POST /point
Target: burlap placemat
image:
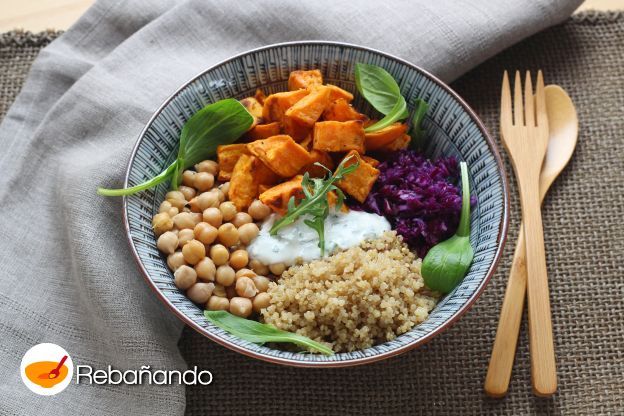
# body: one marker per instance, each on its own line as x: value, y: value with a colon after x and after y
x: 585, y: 239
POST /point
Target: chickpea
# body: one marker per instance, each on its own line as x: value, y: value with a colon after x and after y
x: 225, y: 275
x: 162, y: 222
x: 245, y: 272
x: 259, y: 268
x: 188, y: 192
x: 176, y: 199
x: 209, y: 166
x: 247, y: 232
x: 205, y: 233
x: 245, y: 287
x: 218, y: 303
x: 228, y: 210
x: 184, y: 236
x: 261, y: 301
x: 220, y: 194
x: 277, y: 269
x: 167, y: 242
x: 175, y: 260
x: 185, y: 277
x: 213, y: 216
x: 173, y: 211
x: 225, y: 188
x: 240, y: 307
x: 219, y: 254
x: 206, y: 200
x: 261, y: 283
x: 241, y: 218
x: 206, y: 270
x: 184, y: 220
x: 194, y: 251
x: 165, y: 206
x: 188, y: 177
x: 203, y: 181
x: 239, y: 259
x: 228, y: 234
x: 200, y: 292
x: 219, y: 290
x: 197, y: 217
x: 194, y: 205
x: 258, y: 210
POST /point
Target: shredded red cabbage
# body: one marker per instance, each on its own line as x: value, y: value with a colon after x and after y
x: 421, y: 198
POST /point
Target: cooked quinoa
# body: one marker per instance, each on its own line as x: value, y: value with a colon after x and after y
x: 353, y: 299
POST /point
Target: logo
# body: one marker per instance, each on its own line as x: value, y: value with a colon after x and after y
x: 46, y: 369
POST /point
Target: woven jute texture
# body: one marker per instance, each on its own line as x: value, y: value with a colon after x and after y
x: 584, y: 234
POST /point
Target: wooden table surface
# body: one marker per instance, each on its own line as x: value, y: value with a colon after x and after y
x: 38, y: 15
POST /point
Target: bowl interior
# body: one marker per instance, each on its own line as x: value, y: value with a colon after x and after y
x: 452, y: 129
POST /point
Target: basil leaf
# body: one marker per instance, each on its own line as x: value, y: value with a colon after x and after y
x: 396, y: 114
x: 446, y: 263
x: 379, y: 88
x: 416, y: 131
x: 259, y: 333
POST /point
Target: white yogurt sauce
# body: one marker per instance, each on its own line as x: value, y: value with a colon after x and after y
x: 298, y: 241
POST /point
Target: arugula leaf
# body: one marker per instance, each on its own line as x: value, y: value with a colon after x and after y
x: 416, y: 131
x: 216, y: 124
x: 315, y: 203
x: 259, y: 333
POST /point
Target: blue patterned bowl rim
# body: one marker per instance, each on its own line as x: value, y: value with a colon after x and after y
x: 220, y: 339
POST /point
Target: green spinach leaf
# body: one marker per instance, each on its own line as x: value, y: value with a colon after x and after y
x: 259, y: 333
x: 216, y: 124
x: 446, y: 263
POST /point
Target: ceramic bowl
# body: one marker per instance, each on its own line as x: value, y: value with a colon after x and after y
x: 452, y: 129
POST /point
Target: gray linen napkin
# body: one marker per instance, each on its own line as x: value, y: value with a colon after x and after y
x: 65, y: 273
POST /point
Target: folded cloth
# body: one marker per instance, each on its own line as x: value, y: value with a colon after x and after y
x: 66, y: 276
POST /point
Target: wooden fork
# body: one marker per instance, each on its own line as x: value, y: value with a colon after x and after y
x: 525, y: 136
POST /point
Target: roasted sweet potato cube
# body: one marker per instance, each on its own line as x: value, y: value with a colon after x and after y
x: 295, y: 129
x: 259, y: 96
x: 380, y: 138
x: 308, y: 110
x: 275, y: 105
x: 399, y: 143
x: 249, y: 172
x: 337, y: 93
x: 358, y: 183
x: 321, y: 157
x: 278, y: 196
x: 281, y: 154
x: 339, y: 136
x: 332, y: 199
x: 304, y: 79
x: 227, y: 156
x: 307, y: 142
x: 264, y: 131
x: 341, y: 110
x: 371, y: 161
x: 255, y: 109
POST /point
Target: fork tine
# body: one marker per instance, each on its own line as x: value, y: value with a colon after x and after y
x: 540, y: 102
x: 518, y: 107
x: 529, y: 110
x: 505, y: 115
